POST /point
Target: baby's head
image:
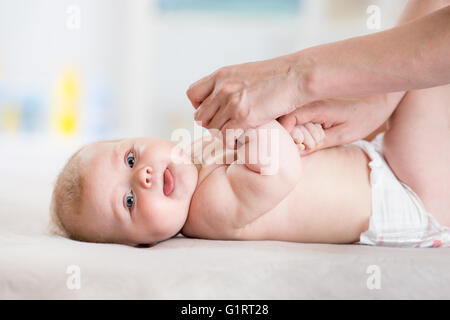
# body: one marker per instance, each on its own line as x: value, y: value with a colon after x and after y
x: 131, y: 191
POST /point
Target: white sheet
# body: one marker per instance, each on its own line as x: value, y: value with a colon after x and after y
x: 34, y: 267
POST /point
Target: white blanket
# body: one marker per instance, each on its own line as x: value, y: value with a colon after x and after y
x: 36, y: 266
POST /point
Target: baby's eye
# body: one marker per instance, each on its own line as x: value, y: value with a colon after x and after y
x: 130, y: 159
x: 129, y: 200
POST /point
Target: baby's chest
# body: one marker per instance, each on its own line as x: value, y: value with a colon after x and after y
x: 212, y: 212
x: 214, y: 216
x: 275, y: 223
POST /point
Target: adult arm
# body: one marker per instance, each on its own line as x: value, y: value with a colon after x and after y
x: 411, y: 56
x: 347, y: 120
x: 415, y: 55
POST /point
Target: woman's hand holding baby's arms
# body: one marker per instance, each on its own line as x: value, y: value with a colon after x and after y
x: 344, y: 120
x: 250, y: 94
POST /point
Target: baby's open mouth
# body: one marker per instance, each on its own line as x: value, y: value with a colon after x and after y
x: 168, y: 182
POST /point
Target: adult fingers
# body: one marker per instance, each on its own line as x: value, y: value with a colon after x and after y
x: 335, y: 136
x: 302, y: 115
x: 219, y: 119
x: 288, y: 121
x: 231, y: 131
x: 206, y: 110
x: 229, y: 106
x: 200, y: 90
x: 313, y: 112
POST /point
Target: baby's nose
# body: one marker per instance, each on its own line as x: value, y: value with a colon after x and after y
x: 145, y: 177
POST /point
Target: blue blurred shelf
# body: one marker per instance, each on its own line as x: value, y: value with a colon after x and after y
x: 246, y: 7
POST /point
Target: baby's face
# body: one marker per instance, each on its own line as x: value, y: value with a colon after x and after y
x: 135, y: 191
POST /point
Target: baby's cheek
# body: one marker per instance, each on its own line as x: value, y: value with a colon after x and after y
x: 159, y: 217
x: 149, y: 208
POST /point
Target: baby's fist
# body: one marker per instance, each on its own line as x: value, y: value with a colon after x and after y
x: 308, y: 137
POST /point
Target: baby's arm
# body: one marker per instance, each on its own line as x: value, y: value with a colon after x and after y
x: 261, y: 179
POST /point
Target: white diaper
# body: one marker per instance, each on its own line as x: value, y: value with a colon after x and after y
x: 398, y: 218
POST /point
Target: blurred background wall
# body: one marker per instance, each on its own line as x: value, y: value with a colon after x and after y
x: 76, y: 71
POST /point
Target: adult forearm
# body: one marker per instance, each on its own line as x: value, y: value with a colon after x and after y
x: 414, y: 9
x: 411, y: 56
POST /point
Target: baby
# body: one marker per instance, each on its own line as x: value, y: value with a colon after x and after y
x: 143, y: 191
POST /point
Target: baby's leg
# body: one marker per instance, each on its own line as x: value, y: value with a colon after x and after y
x: 417, y: 147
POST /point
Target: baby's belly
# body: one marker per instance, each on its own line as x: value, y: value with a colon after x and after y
x: 283, y: 223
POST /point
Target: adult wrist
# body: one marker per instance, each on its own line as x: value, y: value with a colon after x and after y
x: 305, y: 76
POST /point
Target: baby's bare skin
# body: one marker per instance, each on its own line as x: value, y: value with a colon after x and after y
x: 417, y: 147
x: 331, y: 198
x: 324, y: 197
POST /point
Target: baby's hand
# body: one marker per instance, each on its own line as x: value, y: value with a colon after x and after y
x: 308, y: 137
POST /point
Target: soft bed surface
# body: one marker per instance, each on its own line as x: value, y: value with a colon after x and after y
x: 35, y: 266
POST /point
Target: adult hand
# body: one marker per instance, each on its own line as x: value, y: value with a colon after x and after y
x: 247, y: 95
x: 344, y: 120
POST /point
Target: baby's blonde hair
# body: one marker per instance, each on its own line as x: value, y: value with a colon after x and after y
x: 66, y: 197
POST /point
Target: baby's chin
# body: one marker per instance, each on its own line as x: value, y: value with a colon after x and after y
x: 160, y: 236
x: 167, y: 223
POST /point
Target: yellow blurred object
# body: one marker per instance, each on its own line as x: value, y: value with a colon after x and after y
x: 65, y: 111
x: 10, y: 118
